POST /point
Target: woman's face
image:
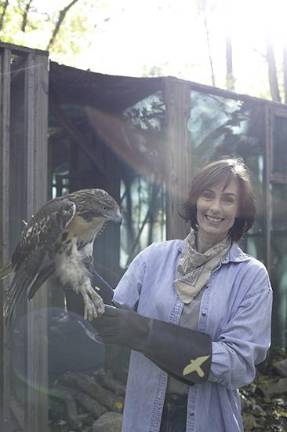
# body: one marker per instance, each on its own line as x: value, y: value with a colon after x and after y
x: 217, y: 209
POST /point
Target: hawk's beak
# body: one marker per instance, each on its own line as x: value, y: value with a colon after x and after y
x: 118, y: 217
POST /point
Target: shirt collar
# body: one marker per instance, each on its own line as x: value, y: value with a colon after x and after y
x: 235, y: 254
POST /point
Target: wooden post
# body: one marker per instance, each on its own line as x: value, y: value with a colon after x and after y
x: 267, y: 182
x: 5, y: 82
x: 36, y: 124
x: 23, y: 189
x: 178, y: 154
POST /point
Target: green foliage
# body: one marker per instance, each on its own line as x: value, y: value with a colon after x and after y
x: 74, y: 33
x: 130, y: 37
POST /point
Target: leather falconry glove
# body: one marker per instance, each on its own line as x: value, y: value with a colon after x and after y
x: 181, y: 352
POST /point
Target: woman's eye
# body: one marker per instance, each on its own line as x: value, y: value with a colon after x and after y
x: 229, y: 199
x: 206, y: 194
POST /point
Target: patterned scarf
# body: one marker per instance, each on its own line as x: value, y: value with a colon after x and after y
x: 194, y: 268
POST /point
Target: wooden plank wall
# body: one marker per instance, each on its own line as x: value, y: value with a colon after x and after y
x: 5, y: 82
x: 24, y: 117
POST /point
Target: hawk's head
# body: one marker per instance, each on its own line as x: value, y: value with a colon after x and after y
x: 96, y: 205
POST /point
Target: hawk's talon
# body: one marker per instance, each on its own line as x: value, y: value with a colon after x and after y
x: 94, y: 306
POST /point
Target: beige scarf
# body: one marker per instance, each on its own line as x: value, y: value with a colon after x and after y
x: 194, y: 268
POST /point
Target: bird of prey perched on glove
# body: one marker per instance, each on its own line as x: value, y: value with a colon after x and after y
x: 55, y: 242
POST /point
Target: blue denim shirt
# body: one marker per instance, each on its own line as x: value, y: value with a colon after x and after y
x: 235, y: 311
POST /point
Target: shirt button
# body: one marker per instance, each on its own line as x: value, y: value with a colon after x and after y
x: 203, y: 314
x: 191, y: 414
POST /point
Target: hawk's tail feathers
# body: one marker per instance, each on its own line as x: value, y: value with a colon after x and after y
x: 14, y: 296
x: 22, y: 289
x: 5, y: 270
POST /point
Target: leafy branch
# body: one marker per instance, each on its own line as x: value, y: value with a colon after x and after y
x: 59, y: 22
x: 3, y: 13
x: 25, y: 15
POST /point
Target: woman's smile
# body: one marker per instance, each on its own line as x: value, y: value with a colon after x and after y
x: 214, y: 219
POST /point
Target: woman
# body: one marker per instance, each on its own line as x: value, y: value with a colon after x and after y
x: 203, y: 313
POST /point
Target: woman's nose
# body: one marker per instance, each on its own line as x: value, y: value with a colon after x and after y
x: 215, y: 205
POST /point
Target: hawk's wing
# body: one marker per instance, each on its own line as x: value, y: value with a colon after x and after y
x: 33, y: 259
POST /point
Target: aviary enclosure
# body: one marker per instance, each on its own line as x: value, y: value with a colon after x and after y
x: 141, y: 139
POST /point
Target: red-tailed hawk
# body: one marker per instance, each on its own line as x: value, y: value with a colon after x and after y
x: 56, y: 241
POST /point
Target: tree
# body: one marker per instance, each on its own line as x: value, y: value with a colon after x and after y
x: 24, y: 22
x: 25, y: 15
x: 230, y: 80
x: 285, y: 72
x: 3, y: 13
x: 203, y: 11
x: 212, y: 36
x: 272, y: 70
x: 61, y: 17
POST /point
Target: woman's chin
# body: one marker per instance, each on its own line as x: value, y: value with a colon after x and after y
x: 212, y: 234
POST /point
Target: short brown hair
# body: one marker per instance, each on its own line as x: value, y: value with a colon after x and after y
x: 214, y: 173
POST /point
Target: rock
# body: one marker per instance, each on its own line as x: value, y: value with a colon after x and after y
x: 249, y: 422
x: 274, y: 388
x: 245, y: 403
x: 108, y: 422
x: 257, y: 411
x: 108, y: 382
x: 280, y: 367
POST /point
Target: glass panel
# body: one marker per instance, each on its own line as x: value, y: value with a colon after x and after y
x: 142, y: 189
x: 142, y: 204
x: 279, y: 232
x: 60, y: 183
x: 280, y: 145
x: 220, y: 127
x: 279, y: 263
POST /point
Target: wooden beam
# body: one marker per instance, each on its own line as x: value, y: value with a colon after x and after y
x: 178, y: 154
x: 17, y: 411
x: 268, y: 113
x: 36, y: 127
x: 5, y: 84
x: 23, y: 163
x: 21, y: 49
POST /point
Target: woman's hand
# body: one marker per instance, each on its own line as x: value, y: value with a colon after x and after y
x: 179, y: 351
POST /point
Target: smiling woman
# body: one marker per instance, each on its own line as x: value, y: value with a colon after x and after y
x: 195, y: 312
x: 221, y: 202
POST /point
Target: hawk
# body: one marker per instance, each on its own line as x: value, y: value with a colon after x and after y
x: 56, y: 241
